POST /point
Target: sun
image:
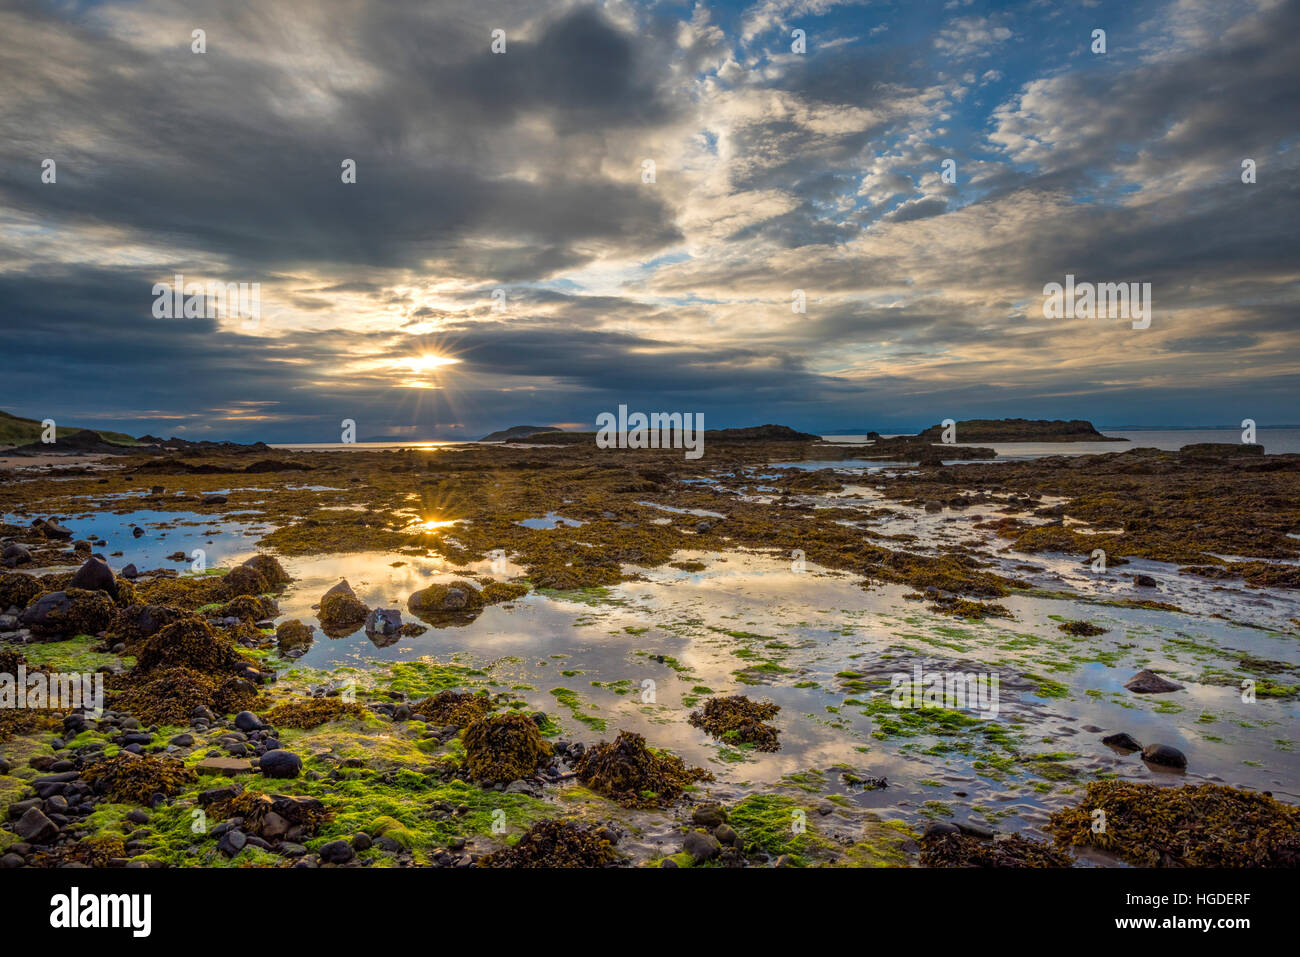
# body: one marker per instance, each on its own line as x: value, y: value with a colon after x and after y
x: 428, y: 362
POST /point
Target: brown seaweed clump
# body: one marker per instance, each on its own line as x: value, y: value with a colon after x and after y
x: 312, y: 712
x: 293, y: 634
x: 1012, y: 850
x: 496, y: 592
x: 130, y: 779
x: 17, y: 589
x: 1083, y: 629
x: 273, y: 816
x: 738, y: 720
x: 188, y: 643
x: 16, y: 721
x: 187, y: 593
x: 457, y: 708
x: 1207, y: 825
x: 966, y: 608
x: 269, y: 567
x: 633, y: 775
x: 248, y: 608
x: 500, y: 748
x: 554, y: 844
x: 170, y: 695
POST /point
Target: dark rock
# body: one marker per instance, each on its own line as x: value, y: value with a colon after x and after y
x: 15, y: 554
x: 940, y: 828
x: 701, y: 845
x: 336, y: 852
x: 1122, y: 742
x: 1148, y: 682
x: 35, y: 828
x: 1164, y: 755
x: 281, y: 764
x: 708, y: 816
x: 1144, y: 581
x: 247, y: 721
x: 232, y: 842
x: 95, y: 575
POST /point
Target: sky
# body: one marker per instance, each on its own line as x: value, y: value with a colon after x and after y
x: 623, y: 207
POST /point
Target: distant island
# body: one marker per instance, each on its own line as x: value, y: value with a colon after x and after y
x: 517, y: 432
x: 1021, y: 430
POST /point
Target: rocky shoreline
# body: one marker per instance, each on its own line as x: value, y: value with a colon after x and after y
x: 214, y: 748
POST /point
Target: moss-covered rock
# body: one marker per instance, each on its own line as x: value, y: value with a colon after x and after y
x: 292, y: 635
x: 456, y: 602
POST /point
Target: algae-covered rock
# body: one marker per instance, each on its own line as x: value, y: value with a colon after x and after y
x: 554, y: 844
x: 65, y: 614
x: 630, y: 773
x: 293, y: 635
x: 312, y: 712
x: 244, y: 580
x: 269, y: 567
x: 248, y: 608
x: 457, y: 708
x: 169, y: 695
x: 130, y: 779
x: 456, y: 602
x: 341, y: 611
x: 190, y: 643
x: 500, y: 748
x: 739, y: 720
x: 1082, y: 629
x: 496, y: 592
x: 1147, y: 681
x: 1207, y: 825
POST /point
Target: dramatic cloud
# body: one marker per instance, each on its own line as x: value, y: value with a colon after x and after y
x: 624, y: 206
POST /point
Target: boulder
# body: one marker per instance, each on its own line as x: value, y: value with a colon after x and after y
x: 1147, y: 681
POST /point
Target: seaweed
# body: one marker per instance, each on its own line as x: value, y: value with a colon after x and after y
x: 131, y: 779
x: 1206, y: 825
x: 737, y: 719
x: 312, y: 712
x: 457, y: 708
x: 554, y: 843
x: 633, y: 775
x: 500, y: 748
